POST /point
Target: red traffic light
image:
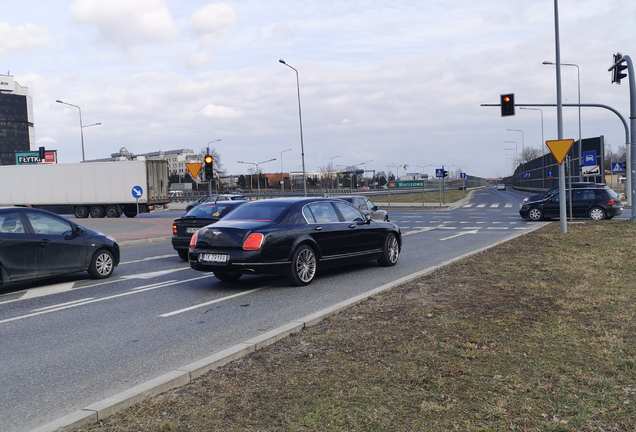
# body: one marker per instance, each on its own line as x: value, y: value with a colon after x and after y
x: 208, y: 159
x: 506, y: 99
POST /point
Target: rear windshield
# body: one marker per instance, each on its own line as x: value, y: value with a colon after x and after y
x: 262, y: 211
x: 212, y: 210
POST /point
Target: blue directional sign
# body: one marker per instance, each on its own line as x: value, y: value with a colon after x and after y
x: 526, y: 175
x: 137, y: 191
x: 439, y: 173
x: 617, y: 167
x: 550, y: 174
x: 462, y: 176
x: 589, y: 158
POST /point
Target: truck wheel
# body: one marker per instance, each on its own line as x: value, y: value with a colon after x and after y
x: 81, y: 212
x: 130, y: 214
x: 112, y: 211
x: 97, y: 212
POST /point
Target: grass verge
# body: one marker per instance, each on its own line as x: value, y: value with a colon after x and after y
x: 537, y: 334
x: 428, y: 197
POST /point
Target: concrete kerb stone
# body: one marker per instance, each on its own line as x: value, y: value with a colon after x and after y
x: 188, y: 373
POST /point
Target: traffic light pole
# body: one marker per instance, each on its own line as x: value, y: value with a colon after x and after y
x: 631, y: 149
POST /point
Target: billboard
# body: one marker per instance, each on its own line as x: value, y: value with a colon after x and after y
x: 6, y: 83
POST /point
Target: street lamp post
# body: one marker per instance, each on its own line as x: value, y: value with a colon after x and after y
x: 282, y: 172
x: 300, y: 117
x: 516, y: 157
x: 542, y: 142
x: 331, y: 166
x: 210, y: 180
x: 578, y: 80
x: 365, y: 166
x: 258, y: 182
x: 81, y: 125
x: 523, y: 148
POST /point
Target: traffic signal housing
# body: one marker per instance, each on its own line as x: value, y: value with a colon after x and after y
x: 209, y: 167
x: 507, y: 104
x: 445, y: 173
x: 617, y: 70
x: 42, y: 154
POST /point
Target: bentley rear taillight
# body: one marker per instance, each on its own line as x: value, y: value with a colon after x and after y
x: 253, y: 242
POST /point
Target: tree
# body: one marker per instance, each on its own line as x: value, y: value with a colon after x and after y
x: 218, y: 166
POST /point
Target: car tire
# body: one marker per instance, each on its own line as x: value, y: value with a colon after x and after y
x: 597, y: 213
x: 183, y: 254
x: 303, y: 266
x: 97, y: 212
x: 535, y: 214
x: 227, y: 276
x: 81, y: 212
x: 112, y: 211
x: 102, y: 264
x: 390, y: 251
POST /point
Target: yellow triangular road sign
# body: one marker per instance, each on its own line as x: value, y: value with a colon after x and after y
x: 559, y: 148
x: 194, y: 168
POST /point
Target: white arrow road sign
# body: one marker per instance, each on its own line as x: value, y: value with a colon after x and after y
x: 461, y: 234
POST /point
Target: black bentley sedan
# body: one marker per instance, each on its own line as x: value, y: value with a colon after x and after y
x: 36, y: 244
x: 195, y: 219
x: 293, y: 237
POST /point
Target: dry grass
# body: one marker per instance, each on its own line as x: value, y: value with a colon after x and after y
x: 536, y: 334
x: 429, y: 197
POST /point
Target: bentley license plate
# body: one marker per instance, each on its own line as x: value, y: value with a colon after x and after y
x: 214, y: 258
x: 191, y: 230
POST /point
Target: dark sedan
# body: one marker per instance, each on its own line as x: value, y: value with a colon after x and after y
x: 195, y: 219
x: 596, y: 202
x: 214, y: 198
x: 37, y: 244
x: 293, y: 237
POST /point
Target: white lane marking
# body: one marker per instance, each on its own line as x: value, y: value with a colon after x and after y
x: 495, y: 205
x: 63, y: 304
x: 481, y: 205
x: 468, y: 205
x: 134, y: 291
x: 152, y: 274
x: 498, y: 228
x: 149, y: 259
x: 418, y: 230
x: 50, y: 289
x: 200, y: 305
x: 508, y: 205
x: 460, y: 234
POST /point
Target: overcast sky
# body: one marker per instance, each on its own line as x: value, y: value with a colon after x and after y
x: 392, y: 82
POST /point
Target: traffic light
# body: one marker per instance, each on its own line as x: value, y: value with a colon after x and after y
x: 42, y: 154
x: 507, y: 104
x: 209, y: 167
x: 617, y: 69
x: 445, y: 173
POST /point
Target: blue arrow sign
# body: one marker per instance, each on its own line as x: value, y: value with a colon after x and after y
x: 617, y: 167
x: 462, y: 176
x: 526, y: 175
x: 137, y: 191
x: 550, y: 174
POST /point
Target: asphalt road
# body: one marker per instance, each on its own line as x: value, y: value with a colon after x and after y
x: 71, y: 341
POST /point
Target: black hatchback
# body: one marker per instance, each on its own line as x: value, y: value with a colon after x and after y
x: 37, y: 244
x: 195, y: 219
x: 596, y: 201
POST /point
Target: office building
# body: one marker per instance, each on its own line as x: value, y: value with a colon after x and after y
x: 16, y: 120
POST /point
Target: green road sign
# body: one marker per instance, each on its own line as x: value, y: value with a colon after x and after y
x: 405, y: 184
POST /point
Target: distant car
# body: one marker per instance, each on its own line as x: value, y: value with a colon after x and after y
x: 501, y: 186
x: 195, y: 219
x: 214, y: 198
x: 37, y: 244
x: 596, y: 202
x: 293, y: 237
x: 365, y: 204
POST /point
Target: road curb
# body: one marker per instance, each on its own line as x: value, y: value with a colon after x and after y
x: 188, y: 373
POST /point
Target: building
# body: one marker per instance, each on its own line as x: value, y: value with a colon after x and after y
x: 176, y: 158
x: 16, y: 120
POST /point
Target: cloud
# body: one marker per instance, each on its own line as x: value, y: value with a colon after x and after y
x: 23, y: 38
x: 220, y: 112
x: 213, y: 22
x: 126, y: 23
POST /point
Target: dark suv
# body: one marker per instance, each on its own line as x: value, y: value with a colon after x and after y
x: 592, y: 200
